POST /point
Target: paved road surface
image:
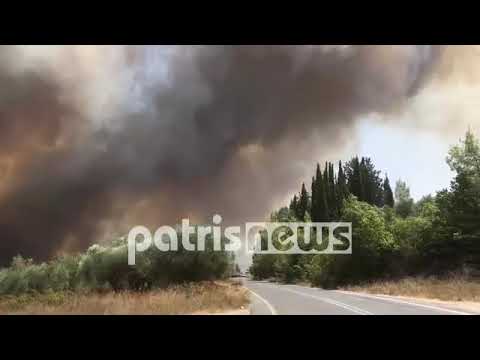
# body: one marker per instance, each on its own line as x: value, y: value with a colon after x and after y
x: 275, y: 299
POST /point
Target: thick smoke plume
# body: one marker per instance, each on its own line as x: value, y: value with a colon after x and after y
x: 94, y: 139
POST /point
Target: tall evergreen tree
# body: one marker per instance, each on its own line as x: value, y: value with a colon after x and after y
x: 365, y: 188
x: 294, y: 204
x: 318, y: 174
x: 387, y: 193
x: 322, y: 213
x: 325, y: 179
x: 314, y: 200
x: 464, y: 204
x: 403, y: 201
x: 332, y: 196
x: 352, y: 172
x: 315, y: 194
x: 364, y: 181
x: 342, y: 189
x: 372, y: 182
x: 303, y: 203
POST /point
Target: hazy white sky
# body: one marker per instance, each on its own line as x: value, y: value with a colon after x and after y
x: 417, y: 157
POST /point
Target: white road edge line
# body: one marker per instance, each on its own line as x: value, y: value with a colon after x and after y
x: 333, y: 302
x: 270, y: 307
x: 388, y: 298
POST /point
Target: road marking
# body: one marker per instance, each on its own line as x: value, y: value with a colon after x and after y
x: 270, y: 307
x: 395, y: 300
x: 333, y: 302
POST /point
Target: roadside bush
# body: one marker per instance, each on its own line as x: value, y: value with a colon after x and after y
x: 287, y: 269
x: 371, y: 242
x: 106, y: 267
x: 263, y: 266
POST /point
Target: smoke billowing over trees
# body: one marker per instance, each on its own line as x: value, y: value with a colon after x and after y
x: 91, y: 139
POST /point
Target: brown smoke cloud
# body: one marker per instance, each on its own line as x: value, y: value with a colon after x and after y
x: 91, y: 139
x: 448, y: 102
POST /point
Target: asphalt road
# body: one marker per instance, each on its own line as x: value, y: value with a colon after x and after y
x: 275, y: 299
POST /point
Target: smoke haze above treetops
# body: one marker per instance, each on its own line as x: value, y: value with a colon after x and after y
x: 95, y: 139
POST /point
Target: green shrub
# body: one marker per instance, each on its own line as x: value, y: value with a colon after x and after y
x: 106, y: 267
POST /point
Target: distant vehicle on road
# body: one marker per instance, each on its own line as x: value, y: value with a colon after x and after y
x: 239, y: 275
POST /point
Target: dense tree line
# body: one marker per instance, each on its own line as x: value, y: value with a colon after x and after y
x: 392, y: 235
x: 329, y: 190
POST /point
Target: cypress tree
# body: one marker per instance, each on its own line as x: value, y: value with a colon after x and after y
x: 303, y: 203
x: 354, y: 178
x: 332, y: 197
x: 313, y: 211
x: 316, y: 185
x: 294, y: 205
x: 316, y: 188
x: 404, y: 203
x: 326, y: 186
x: 373, y: 184
x: 342, y: 189
x: 388, y: 193
x: 318, y: 175
x: 322, y: 213
x: 325, y: 179
x: 364, y: 181
x: 365, y: 186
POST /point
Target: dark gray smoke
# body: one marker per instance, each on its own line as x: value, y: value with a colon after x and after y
x: 223, y: 134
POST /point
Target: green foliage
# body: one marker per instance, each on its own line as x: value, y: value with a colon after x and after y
x: 391, y: 236
x: 404, y: 202
x: 354, y: 179
x: 342, y: 188
x: 364, y: 181
x: 388, y: 199
x: 294, y: 205
x: 457, y: 241
x: 263, y: 266
x: 371, y: 241
x: 287, y: 269
x: 106, y: 267
x: 465, y: 157
x: 303, y: 204
x: 426, y: 207
x: 462, y: 209
x: 328, y: 193
x: 320, y: 209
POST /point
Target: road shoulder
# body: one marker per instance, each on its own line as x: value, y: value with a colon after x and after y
x: 460, y: 306
x: 468, y: 306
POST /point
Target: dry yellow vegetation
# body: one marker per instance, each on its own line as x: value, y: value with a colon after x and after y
x: 205, y: 297
x: 455, y: 288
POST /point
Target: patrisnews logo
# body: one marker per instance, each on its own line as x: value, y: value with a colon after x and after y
x: 299, y: 238
x: 252, y: 238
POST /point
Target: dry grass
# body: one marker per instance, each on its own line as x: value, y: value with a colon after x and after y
x: 207, y: 297
x: 451, y: 289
